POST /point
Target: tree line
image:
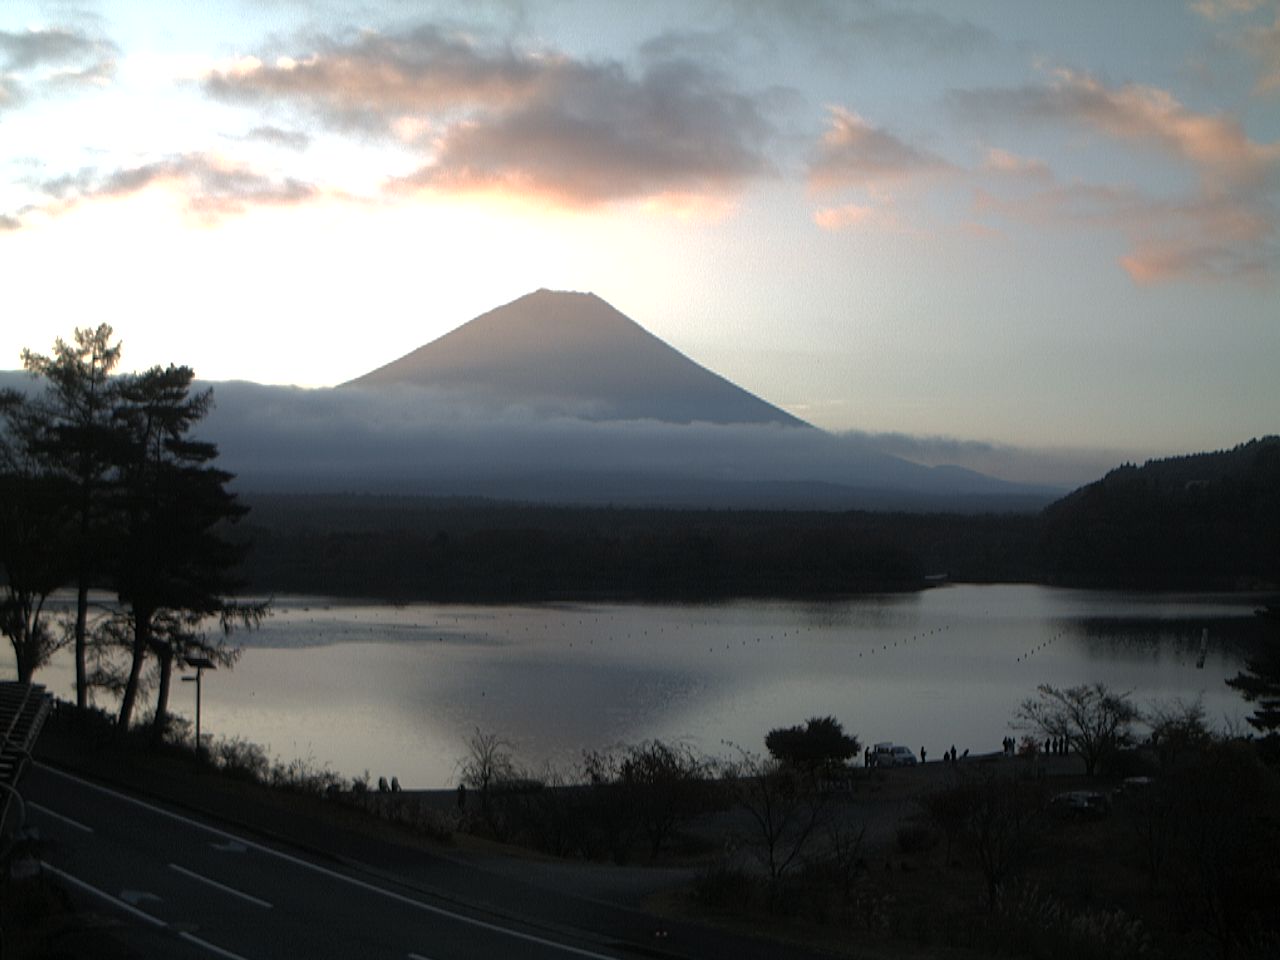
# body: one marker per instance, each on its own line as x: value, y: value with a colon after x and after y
x: 104, y: 487
x: 1209, y: 521
x: 424, y: 548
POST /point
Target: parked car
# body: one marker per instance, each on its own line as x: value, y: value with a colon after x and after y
x: 891, y: 755
x: 1082, y: 804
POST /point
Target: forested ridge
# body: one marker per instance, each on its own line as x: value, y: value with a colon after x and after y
x: 1209, y: 520
x: 478, y: 550
x: 1206, y: 521
x: 482, y: 550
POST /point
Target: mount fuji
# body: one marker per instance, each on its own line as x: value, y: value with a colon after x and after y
x: 572, y: 354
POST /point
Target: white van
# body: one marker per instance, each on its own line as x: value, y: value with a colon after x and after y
x: 891, y: 755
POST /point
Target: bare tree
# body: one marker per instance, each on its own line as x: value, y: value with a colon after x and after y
x: 950, y: 809
x: 1178, y: 731
x: 488, y: 762
x: 994, y: 817
x: 1092, y: 718
x: 651, y: 786
x: 787, y: 809
x: 1154, y: 814
x: 1002, y: 821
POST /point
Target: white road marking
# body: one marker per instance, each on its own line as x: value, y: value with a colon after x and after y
x: 220, y: 886
x: 418, y: 956
x: 389, y: 894
x: 140, y: 914
x: 58, y: 816
x: 114, y: 901
x: 212, y: 948
x: 233, y: 846
x: 135, y: 897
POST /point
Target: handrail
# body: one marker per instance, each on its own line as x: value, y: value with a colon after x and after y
x: 15, y: 736
x: 27, y: 689
x: 30, y: 705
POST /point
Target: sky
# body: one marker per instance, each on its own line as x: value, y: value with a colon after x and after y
x: 1035, y: 239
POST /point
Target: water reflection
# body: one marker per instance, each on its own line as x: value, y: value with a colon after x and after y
x: 397, y: 689
x: 1228, y: 637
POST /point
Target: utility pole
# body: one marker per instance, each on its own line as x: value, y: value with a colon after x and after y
x: 201, y: 664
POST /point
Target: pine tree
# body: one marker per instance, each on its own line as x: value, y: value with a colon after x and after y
x: 1259, y: 683
x: 35, y: 539
x: 172, y: 567
x: 77, y: 441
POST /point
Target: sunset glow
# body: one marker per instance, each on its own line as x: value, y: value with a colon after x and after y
x: 942, y: 222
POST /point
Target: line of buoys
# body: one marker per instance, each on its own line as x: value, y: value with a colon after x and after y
x: 1037, y: 648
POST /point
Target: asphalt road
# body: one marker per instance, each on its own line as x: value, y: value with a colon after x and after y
x: 183, y: 888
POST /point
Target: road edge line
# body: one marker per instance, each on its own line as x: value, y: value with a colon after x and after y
x: 354, y: 881
x: 98, y: 892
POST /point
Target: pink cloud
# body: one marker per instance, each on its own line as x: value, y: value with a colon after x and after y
x: 210, y: 187
x: 1215, y: 145
x: 839, y: 218
x: 1225, y: 227
x: 591, y: 138
x: 855, y: 153
x: 374, y: 79
x: 1264, y: 44
x: 1219, y: 9
x: 1010, y: 164
x: 532, y: 123
x: 1206, y: 238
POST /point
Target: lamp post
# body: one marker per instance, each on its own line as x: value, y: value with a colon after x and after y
x: 201, y: 664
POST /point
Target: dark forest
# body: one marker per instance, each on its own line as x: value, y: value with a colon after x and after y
x: 1209, y: 521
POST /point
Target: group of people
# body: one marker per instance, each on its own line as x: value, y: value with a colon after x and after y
x: 948, y: 756
x: 1053, y: 746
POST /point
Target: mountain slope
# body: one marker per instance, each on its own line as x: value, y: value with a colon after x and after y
x: 573, y: 354
x: 1203, y: 520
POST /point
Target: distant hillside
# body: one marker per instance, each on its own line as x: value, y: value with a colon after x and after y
x: 559, y: 353
x: 1209, y: 520
x: 476, y: 550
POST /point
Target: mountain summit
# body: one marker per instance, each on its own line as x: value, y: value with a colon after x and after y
x: 573, y: 354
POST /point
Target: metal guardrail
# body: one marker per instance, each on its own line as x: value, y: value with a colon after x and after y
x: 24, y: 708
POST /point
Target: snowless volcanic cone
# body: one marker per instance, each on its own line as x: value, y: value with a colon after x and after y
x: 573, y: 354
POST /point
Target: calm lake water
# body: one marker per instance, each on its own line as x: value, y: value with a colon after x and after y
x: 396, y: 690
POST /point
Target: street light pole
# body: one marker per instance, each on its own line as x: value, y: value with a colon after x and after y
x: 201, y: 664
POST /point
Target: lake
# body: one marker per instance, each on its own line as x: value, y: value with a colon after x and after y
x: 396, y: 690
